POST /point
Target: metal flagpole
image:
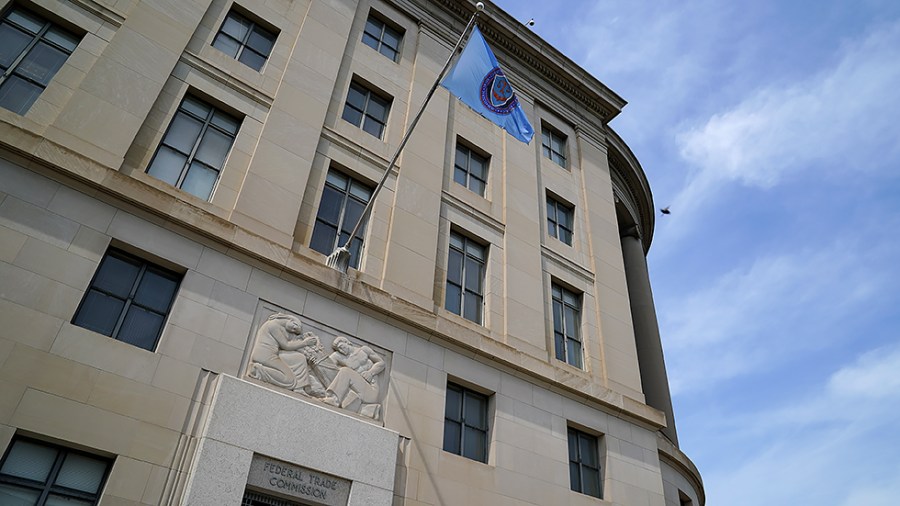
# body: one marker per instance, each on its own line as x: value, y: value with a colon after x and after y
x: 340, y: 258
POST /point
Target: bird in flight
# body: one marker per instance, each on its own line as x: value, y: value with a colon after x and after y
x: 665, y: 210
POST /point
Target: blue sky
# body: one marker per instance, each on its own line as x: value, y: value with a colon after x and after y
x: 771, y: 129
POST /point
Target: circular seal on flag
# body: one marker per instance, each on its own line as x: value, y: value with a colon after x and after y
x: 497, y: 94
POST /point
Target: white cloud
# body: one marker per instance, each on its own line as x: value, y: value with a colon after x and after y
x: 759, y: 315
x: 842, y: 119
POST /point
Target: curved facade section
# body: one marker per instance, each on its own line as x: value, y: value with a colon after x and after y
x: 169, y: 195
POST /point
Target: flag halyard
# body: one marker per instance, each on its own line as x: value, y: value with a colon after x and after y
x: 478, y: 81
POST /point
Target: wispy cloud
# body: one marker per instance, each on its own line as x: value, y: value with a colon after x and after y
x: 840, y: 120
x: 760, y: 313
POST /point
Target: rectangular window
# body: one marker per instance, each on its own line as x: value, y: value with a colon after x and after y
x: 32, y: 50
x: 559, y: 220
x: 366, y: 109
x: 465, y: 277
x: 41, y: 474
x: 193, y: 151
x: 466, y: 423
x: 343, y: 201
x: 567, y: 325
x: 244, y: 40
x: 470, y: 169
x: 553, y: 144
x: 253, y: 498
x: 128, y: 299
x: 584, y: 463
x: 382, y: 38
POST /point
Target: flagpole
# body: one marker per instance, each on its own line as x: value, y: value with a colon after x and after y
x: 340, y: 258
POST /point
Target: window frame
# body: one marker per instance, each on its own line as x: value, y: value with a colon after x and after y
x: 462, y: 284
x: 464, y: 422
x: 379, y: 42
x: 465, y: 171
x: 342, y: 227
x: 191, y: 155
x: 364, y: 113
x: 565, y: 332
x: 548, y: 135
x: 49, y: 486
x: 577, y: 461
x: 144, y: 266
x: 38, y: 37
x: 266, y: 32
x: 555, y: 227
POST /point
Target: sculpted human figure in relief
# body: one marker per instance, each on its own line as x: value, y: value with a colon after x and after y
x: 356, y: 379
x: 277, y: 335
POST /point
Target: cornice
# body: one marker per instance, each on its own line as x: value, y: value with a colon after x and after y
x: 631, y: 186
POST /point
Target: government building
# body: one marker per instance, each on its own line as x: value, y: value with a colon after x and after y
x: 173, y: 176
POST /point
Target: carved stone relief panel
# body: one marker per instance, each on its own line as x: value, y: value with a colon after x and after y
x: 295, y: 353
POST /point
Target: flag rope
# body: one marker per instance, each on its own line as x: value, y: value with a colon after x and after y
x: 340, y: 258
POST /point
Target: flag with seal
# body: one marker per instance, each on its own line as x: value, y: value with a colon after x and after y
x: 478, y: 81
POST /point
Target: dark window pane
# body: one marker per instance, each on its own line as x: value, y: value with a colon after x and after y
x: 236, y: 26
x: 474, y: 275
x: 214, y: 148
x: 227, y: 44
x: 64, y: 39
x: 560, y: 346
x: 391, y: 38
x: 574, y: 477
x: 261, y: 41
x: 389, y: 52
x: 352, y: 213
x: 30, y: 461
x: 226, y: 122
x: 591, y: 482
x: 330, y: 206
x: 356, y: 97
x: 155, y: 291
x: 477, y: 186
x: 355, y: 252
x: 571, y: 322
x: 252, y: 59
x: 140, y: 328
x: 454, y: 267
x: 573, y: 349
x: 337, y: 180
x: 557, y: 317
x: 573, y: 445
x: 352, y: 115
x: 99, y: 312
x: 183, y: 133
x: 360, y: 191
x: 452, y: 437
x: 11, y: 495
x: 474, y: 441
x: 452, y: 302
x: 82, y: 473
x: 370, y: 41
x: 12, y: 42
x: 475, y: 411
x: 459, y: 175
x: 200, y: 180
x: 587, y: 450
x: 473, y: 307
x: 26, y: 20
x: 42, y: 63
x: 58, y: 500
x: 195, y: 107
x: 117, y: 276
x: 17, y: 94
x: 323, y: 238
x: 373, y: 127
x: 453, y: 403
x: 167, y: 165
x: 565, y: 236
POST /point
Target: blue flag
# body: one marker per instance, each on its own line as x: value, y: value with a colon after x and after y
x: 477, y: 80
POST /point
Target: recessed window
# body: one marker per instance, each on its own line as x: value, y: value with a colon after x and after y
x: 343, y: 201
x: 383, y: 38
x: 584, y: 463
x: 465, y: 277
x: 244, y: 40
x: 470, y: 169
x: 195, y: 147
x: 567, y: 325
x: 559, y: 220
x: 254, y: 498
x: 32, y: 50
x: 41, y: 474
x: 128, y: 299
x: 553, y: 145
x: 466, y: 423
x: 366, y: 109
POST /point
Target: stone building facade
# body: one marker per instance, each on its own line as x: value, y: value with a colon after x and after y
x: 171, y: 173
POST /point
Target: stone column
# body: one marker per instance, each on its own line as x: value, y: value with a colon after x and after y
x: 646, y: 330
